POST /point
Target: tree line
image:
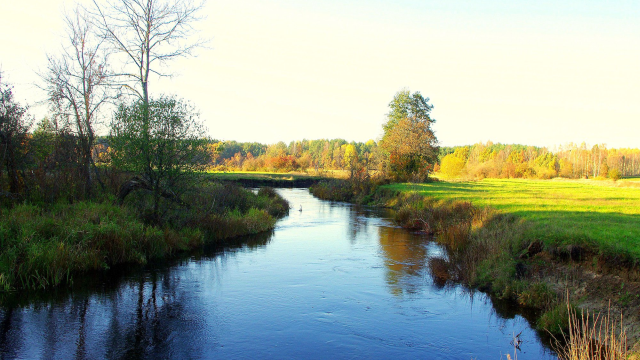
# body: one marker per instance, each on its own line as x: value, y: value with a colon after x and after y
x: 407, y: 151
x: 489, y: 160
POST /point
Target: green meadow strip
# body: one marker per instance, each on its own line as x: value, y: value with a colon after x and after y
x: 602, y: 214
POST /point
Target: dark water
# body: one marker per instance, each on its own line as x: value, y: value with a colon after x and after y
x: 331, y: 282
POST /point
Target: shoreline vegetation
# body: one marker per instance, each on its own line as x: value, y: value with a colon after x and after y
x: 540, y: 243
x: 258, y: 179
x: 47, y: 246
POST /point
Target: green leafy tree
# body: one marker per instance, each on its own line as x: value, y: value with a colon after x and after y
x: 408, y: 139
x: 14, y: 125
x: 165, y: 155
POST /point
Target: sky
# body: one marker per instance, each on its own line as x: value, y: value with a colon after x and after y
x: 541, y: 73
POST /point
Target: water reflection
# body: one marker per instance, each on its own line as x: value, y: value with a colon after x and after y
x: 404, y: 258
x: 142, y: 315
x: 332, y: 281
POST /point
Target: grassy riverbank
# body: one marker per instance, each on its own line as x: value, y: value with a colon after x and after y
x: 259, y: 175
x: 255, y: 179
x: 43, y: 247
x: 600, y: 214
x: 533, y: 242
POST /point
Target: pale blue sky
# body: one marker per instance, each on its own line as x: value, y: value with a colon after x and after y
x: 539, y: 73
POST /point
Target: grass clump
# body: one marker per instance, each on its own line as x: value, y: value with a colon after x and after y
x: 556, y: 319
x: 359, y: 189
x: 43, y: 248
x: 592, y: 336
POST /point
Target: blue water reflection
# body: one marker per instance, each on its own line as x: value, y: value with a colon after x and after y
x: 331, y: 282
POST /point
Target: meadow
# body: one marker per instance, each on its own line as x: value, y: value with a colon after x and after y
x: 604, y: 214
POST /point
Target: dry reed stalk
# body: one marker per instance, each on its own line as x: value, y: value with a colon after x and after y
x: 594, y: 337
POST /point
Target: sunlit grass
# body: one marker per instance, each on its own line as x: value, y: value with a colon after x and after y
x: 600, y: 213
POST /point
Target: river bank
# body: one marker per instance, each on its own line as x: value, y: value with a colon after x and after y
x: 48, y: 246
x: 260, y: 179
x: 500, y: 251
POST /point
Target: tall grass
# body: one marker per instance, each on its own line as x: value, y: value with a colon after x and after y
x: 46, y: 247
x: 594, y: 336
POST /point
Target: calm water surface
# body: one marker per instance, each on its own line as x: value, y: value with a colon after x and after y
x: 331, y: 282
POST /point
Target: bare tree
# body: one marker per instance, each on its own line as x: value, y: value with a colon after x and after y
x: 78, y: 84
x: 148, y: 33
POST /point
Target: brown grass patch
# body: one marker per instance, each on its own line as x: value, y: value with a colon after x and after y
x: 596, y: 336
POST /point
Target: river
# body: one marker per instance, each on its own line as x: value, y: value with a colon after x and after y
x: 332, y: 281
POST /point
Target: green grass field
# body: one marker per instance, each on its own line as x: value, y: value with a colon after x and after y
x: 562, y: 211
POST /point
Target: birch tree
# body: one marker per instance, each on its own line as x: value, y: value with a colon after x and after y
x: 148, y: 34
x: 77, y: 82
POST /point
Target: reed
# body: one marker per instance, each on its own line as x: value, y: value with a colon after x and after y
x: 594, y: 337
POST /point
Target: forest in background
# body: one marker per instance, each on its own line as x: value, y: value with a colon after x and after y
x: 572, y: 161
x: 478, y: 161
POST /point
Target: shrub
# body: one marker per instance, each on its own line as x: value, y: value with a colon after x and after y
x: 615, y: 174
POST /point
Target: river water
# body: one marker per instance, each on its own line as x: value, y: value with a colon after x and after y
x: 332, y: 281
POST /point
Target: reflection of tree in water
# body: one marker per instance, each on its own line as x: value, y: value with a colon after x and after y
x: 405, y: 255
x: 142, y: 314
x: 250, y: 242
x: 163, y: 322
x: 10, y: 334
x: 358, y: 224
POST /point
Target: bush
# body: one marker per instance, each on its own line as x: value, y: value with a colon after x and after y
x: 275, y: 205
x: 615, y: 174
